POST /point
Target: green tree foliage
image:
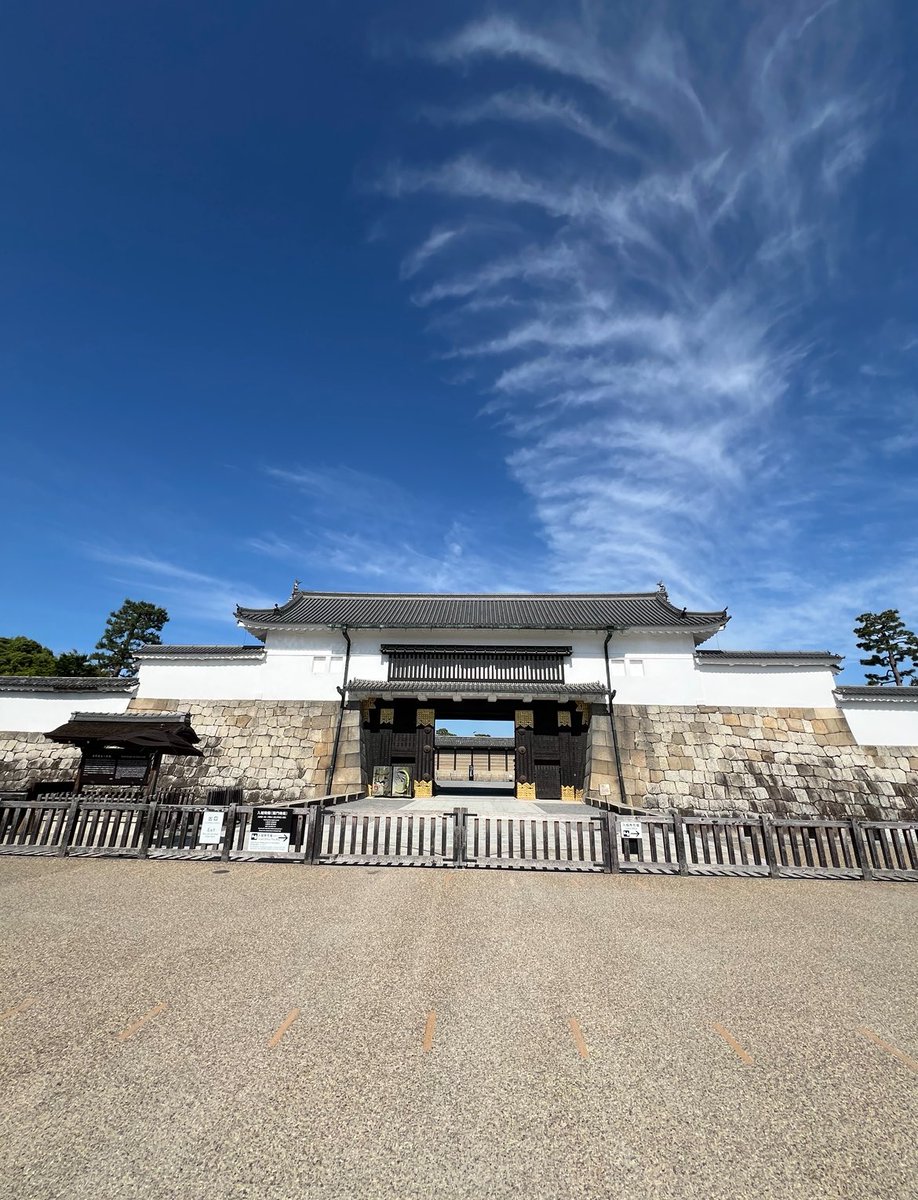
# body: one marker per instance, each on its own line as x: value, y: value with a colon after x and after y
x: 74, y: 662
x: 25, y: 656
x: 890, y: 645
x: 135, y: 623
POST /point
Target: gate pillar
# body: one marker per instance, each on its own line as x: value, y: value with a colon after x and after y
x: 424, y: 755
x: 566, y: 755
x: 525, y: 766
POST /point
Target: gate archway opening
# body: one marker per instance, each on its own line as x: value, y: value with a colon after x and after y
x: 400, y: 752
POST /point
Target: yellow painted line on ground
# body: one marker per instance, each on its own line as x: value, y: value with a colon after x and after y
x: 17, y: 1008
x: 430, y: 1026
x: 283, y: 1027
x: 743, y: 1055
x: 911, y: 1063
x: 578, y: 1038
x: 155, y: 1011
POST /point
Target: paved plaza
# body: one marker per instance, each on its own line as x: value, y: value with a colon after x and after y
x: 275, y: 1031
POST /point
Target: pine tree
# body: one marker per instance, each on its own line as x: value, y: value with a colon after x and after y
x: 75, y: 662
x: 24, y: 656
x: 890, y: 645
x: 134, y: 624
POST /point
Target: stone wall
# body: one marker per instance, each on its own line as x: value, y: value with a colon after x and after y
x: 26, y: 758
x: 273, y: 749
x: 787, y: 761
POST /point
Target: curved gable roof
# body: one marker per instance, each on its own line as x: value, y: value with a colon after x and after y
x: 393, y: 610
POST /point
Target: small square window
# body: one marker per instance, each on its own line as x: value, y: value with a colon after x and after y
x: 635, y: 666
x: 320, y: 665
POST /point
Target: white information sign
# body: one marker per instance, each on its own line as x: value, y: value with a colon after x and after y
x: 629, y: 827
x: 211, y: 827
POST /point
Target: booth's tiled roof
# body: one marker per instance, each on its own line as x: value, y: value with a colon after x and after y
x: 885, y: 693
x: 251, y: 651
x: 171, y: 733
x: 475, y: 687
x: 67, y: 683
x: 388, y: 610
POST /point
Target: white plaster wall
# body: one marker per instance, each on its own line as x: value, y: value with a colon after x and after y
x: 646, y: 668
x: 200, y: 679
x: 768, y: 687
x: 40, y: 712
x: 877, y: 724
x: 306, y: 665
x: 586, y: 665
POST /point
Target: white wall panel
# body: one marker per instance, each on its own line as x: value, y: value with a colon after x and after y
x: 879, y: 724
x: 40, y: 712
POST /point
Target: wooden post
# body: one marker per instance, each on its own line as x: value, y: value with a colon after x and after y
x: 459, y: 815
x: 424, y: 752
x: 154, y: 774
x: 148, y: 826
x: 768, y: 841
x: 229, y: 830
x: 69, y: 825
x: 525, y: 767
x: 862, y: 849
x: 679, y: 838
x: 566, y: 755
x: 611, y: 822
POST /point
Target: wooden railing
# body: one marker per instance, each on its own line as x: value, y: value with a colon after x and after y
x: 101, y: 826
x: 457, y: 665
x: 324, y: 833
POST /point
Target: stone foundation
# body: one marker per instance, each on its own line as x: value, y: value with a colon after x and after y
x: 787, y: 761
x: 26, y: 758
x: 273, y: 749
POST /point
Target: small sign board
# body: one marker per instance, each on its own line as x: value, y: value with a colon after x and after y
x: 271, y: 829
x: 133, y: 767
x: 212, y: 823
x: 99, y: 766
x: 402, y: 783
x: 629, y: 827
x: 382, y: 781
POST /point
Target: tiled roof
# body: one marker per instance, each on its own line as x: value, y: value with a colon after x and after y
x: 169, y: 732
x: 454, y: 742
x: 252, y: 651
x: 879, y: 692
x: 67, y: 683
x: 790, y: 656
x: 475, y: 687
x: 387, y: 610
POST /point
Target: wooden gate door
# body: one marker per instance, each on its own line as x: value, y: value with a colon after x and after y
x: 548, y: 780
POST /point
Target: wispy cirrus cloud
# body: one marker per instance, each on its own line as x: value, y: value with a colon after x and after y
x: 671, y: 196
x: 192, y: 595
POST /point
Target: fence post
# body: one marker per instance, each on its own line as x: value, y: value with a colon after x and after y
x: 862, y: 849
x: 605, y: 844
x: 768, y: 842
x: 229, y: 830
x: 679, y: 838
x: 315, y: 833
x: 459, y: 836
x: 69, y: 826
x: 611, y: 823
x: 147, y: 834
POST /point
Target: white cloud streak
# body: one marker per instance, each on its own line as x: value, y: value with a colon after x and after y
x: 646, y: 335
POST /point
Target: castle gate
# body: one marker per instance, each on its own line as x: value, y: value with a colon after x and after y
x: 522, y: 684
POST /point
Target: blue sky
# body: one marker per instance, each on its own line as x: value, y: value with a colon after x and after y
x: 459, y: 297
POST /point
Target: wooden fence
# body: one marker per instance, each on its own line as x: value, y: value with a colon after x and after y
x: 100, y: 826
x: 326, y: 831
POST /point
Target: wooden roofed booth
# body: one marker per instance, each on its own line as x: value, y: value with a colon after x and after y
x: 124, y: 750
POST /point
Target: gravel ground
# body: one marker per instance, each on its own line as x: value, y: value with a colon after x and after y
x: 452, y: 1033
